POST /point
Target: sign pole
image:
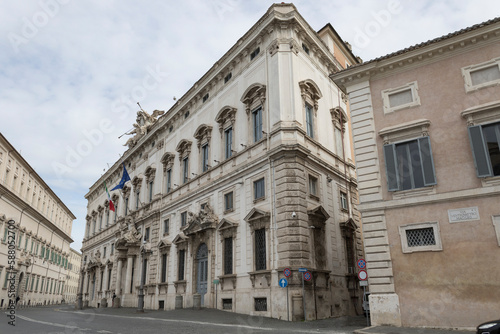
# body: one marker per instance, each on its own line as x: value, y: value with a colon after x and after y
x: 287, y: 305
x: 303, y: 297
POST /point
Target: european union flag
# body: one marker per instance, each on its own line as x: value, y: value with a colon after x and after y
x: 124, y: 179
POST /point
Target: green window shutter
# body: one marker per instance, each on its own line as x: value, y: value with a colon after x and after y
x: 479, y: 153
x: 390, y: 167
x: 424, y: 144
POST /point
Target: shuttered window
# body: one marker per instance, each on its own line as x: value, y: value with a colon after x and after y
x: 409, y: 165
x: 485, y: 144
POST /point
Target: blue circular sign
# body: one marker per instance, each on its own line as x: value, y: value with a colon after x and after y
x: 361, y: 264
x: 283, y: 283
x: 307, y: 276
x: 287, y: 272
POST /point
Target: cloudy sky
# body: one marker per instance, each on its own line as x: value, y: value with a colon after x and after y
x: 71, y: 71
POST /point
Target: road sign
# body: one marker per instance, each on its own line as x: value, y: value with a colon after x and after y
x: 362, y: 275
x: 302, y: 270
x: 307, y: 276
x: 216, y: 281
x: 287, y: 272
x: 283, y: 283
x: 361, y: 264
x: 363, y: 283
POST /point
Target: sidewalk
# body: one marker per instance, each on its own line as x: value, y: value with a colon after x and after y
x: 406, y: 330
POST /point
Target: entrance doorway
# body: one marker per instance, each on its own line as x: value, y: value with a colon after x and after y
x: 202, y: 275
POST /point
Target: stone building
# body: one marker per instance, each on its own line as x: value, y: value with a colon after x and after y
x: 73, y: 276
x: 249, y: 173
x: 426, y: 127
x: 36, y: 226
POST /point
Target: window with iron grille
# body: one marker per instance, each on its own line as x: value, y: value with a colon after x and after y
x: 260, y: 304
x: 180, y: 275
x: 260, y: 249
x: 227, y: 304
x: 150, y: 191
x: 146, y: 234
x: 228, y: 256
x: 420, y: 237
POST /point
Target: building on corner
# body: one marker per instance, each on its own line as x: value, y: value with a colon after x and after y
x: 35, y: 227
x: 426, y: 127
x: 249, y: 173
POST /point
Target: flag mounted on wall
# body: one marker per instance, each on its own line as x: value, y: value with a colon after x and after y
x: 124, y: 179
x: 111, y: 205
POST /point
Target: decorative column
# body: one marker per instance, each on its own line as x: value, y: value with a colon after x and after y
x: 128, y: 277
x: 119, y: 277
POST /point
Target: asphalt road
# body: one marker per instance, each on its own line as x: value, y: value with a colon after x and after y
x: 67, y: 320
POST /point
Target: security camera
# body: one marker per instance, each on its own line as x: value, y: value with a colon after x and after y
x: 294, y: 215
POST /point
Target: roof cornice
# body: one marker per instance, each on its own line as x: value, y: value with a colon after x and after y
x: 421, y: 54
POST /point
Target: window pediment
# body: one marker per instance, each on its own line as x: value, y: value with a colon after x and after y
x: 167, y: 160
x: 310, y: 89
x: 164, y: 244
x: 258, y: 219
x: 318, y: 213
x: 405, y: 131
x: 136, y: 182
x: 179, y: 239
x: 482, y: 114
x: 184, y: 147
x: 203, y: 132
x: 254, y: 94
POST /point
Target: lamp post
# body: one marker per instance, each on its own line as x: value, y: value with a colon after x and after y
x: 143, y: 278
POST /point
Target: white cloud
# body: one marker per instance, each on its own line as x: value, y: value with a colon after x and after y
x: 64, y: 75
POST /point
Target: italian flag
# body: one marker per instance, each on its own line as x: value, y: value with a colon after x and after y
x: 111, y: 205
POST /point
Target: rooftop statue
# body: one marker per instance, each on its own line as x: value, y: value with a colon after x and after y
x: 143, y: 122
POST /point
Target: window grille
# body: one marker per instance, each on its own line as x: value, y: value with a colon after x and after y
x: 260, y: 249
x: 228, y: 256
x: 227, y: 304
x: 420, y: 237
x: 260, y: 304
x: 309, y: 121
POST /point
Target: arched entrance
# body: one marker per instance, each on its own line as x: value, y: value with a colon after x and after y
x: 202, y: 271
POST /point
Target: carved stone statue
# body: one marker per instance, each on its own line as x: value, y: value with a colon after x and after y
x: 132, y: 235
x: 143, y: 122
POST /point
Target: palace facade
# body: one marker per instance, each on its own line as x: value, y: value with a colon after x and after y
x: 35, y: 229
x: 426, y: 126
x: 249, y: 173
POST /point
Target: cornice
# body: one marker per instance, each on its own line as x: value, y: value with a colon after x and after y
x: 419, y: 55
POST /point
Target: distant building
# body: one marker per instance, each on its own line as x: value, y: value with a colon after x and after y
x: 247, y: 174
x: 426, y: 127
x: 36, y: 226
x: 72, y: 279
